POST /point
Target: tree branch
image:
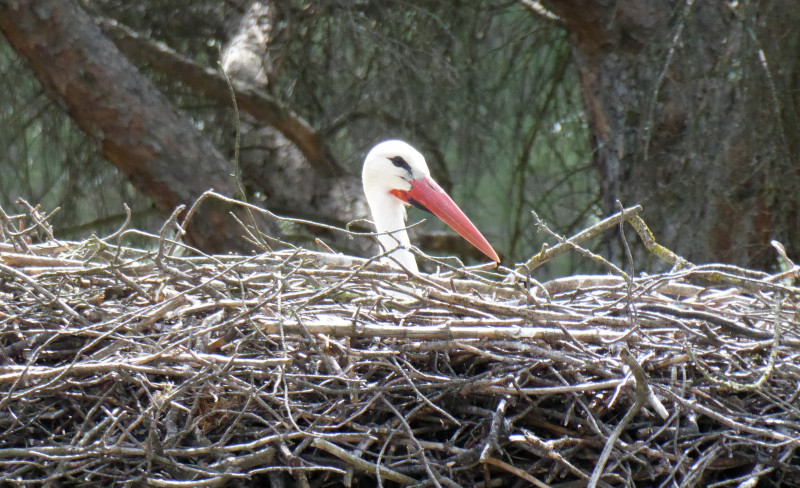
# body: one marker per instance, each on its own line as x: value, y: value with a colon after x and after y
x: 213, y: 84
x: 136, y: 127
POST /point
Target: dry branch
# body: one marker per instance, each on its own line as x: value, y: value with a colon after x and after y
x: 131, y: 365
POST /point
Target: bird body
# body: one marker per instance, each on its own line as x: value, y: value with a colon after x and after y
x: 395, y: 175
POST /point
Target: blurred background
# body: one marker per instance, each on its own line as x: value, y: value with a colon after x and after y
x: 515, y: 106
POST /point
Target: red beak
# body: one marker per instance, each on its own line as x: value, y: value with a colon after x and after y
x: 428, y: 195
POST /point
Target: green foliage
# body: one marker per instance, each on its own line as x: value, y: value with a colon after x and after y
x: 48, y: 161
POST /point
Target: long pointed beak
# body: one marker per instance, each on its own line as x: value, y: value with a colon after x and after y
x: 427, y: 194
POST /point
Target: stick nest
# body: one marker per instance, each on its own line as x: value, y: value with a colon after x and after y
x: 134, y: 367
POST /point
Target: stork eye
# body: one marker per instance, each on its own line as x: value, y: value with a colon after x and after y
x: 400, y: 163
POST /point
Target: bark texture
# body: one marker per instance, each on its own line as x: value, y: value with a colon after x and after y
x: 296, y: 181
x: 693, y: 113
x: 250, y: 99
x: 136, y: 127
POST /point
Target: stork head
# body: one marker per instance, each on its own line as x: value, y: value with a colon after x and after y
x: 396, y: 174
x: 392, y: 165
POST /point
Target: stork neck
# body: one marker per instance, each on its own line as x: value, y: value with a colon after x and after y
x: 389, y: 216
x: 401, y: 252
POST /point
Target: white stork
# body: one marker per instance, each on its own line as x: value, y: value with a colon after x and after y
x: 395, y: 175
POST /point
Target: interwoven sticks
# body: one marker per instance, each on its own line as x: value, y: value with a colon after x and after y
x: 316, y: 370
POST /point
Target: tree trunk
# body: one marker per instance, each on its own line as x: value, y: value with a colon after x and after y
x: 136, y: 128
x: 273, y: 164
x: 694, y: 114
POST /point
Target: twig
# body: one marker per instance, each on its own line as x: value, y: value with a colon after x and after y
x: 642, y: 390
x: 555, y: 251
x: 43, y: 291
x: 433, y: 477
x: 361, y: 464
